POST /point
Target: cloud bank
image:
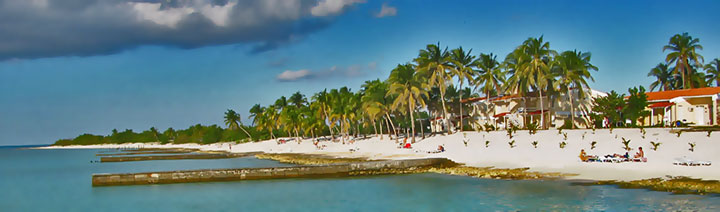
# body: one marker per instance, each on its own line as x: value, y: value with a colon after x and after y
x: 50, y: 28
x: 332, y: 72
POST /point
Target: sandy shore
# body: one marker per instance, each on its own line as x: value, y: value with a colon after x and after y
x: 547, y: 157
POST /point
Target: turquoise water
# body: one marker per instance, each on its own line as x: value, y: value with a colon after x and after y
x: 60, y: 180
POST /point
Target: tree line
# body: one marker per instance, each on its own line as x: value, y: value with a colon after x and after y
x: 430, y: 86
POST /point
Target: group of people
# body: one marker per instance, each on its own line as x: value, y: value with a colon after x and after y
x: 638, y: 157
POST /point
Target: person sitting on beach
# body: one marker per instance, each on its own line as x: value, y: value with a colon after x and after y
x: 640, y: 153
x: 316, y: 142
x: 585, y: 157
x: 441, y: 148
x: 407, y: 146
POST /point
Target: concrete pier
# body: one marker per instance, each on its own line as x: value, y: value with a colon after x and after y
x: 177, y: 157
x: 145, y: 153
x: 212, y: 175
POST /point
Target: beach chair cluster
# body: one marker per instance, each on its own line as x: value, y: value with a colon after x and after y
x: 614, y: 159
x: 690, y: 162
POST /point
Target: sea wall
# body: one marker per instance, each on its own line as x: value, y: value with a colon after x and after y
x: 211, y: 175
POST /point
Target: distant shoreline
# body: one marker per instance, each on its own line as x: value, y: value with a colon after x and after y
x: 547, y: 157
x: 24, y: 146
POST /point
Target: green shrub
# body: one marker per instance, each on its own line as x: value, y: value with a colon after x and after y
x: 489, y: 127
x: 532, y: 128
x: 655, y: 145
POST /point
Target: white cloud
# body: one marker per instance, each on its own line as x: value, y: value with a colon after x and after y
x: 219, y: 15
x: 152, y: 12
x: 290, y: 75
x: 350, y: 71
x: 331, y: 7
x: 386, y: 11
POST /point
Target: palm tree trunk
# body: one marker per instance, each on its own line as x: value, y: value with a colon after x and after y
x: 487, y: 99
x: 374, y: 127
x: 381, y: 132
x: 246, y: 132
x: 412, y: 118
x: 393, y: 126
x: 572, y: 111
x: 461, y: 107
x: 329, y: 121
x: 387, y: 125
x: 445, y: 113
x: 542, y: 111
x: 297, y: 135
x: 524, y: 111
x: 681, y: 63
x: 422, y: 130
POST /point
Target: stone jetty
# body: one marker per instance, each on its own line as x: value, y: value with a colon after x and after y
x: 177, y: 157
x: 213, y: 175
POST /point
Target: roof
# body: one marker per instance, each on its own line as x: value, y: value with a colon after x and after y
x: 475, y: 99
x: 536, y: 112
x: 492, y: 98
x: 500, y: 115
x: 667, y: 95
x: 661, y: 104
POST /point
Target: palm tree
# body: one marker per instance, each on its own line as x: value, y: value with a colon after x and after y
x: 297, y: 99
x: 518, y: 82
x: 290, y: 119
x: 170, y: 134
x: 410, y: 87
x: 343, y: 107
x: 461, y: 67
x: 491, y: 76
x: 713, y: 72
x: 233, y: 121
x: 572, y: 69
x: 323, y: 100
x: 435, y: 62
x: 683, y: 49
x: 663, y: 77
x: 538, y: 68
x: 374, y: 102
x: 255, y: 111
x: 281, y: 103
x: 269, y: 120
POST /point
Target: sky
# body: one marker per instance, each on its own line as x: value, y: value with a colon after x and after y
x: 89, y: 66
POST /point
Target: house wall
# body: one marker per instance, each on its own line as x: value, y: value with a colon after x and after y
x: 558, y: 110
x: 687, y: 111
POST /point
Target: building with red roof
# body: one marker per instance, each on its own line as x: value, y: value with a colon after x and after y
x: 697, y: 106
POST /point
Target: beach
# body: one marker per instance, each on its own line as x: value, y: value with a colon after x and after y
x: 547, y: 157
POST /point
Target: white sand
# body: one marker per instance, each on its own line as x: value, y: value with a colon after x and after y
x: 547, y: 157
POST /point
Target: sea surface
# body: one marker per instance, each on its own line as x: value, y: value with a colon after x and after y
x: 60, y: 180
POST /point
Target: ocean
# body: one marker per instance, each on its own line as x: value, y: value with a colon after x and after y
x: 60, y: 180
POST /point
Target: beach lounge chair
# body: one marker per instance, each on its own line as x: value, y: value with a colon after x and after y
x: 684, y: 161
x: 643, y: 159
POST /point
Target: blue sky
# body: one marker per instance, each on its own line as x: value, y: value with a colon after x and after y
x: 92, y: 76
